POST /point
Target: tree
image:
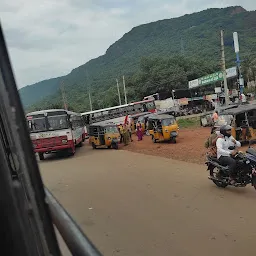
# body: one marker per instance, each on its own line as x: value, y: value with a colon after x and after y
x: 249, y: 68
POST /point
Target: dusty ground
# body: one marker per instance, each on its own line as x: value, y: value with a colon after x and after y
x: 132, y: 204
x: 189, y: 146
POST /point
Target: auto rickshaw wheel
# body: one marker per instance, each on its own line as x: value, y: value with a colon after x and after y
x: 71, y: 151
x: 153, y: 139
x: 109, y: 146
x: 174, y: 140
x: 93, y: 145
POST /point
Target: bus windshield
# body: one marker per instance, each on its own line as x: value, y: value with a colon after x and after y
x: 111, y: 129
x: 52, y: 121
x: 150, y: 105
x: 57, y: 122
x: 37, y: 123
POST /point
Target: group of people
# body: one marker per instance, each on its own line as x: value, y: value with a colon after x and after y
x: 125, y: 131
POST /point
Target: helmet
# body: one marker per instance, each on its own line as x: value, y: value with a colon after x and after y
x: 224, y: 129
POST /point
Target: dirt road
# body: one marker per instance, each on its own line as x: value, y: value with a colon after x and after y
x: 189, y: 147
x: 134, y: 204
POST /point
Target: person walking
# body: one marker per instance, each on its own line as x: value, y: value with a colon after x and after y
x: 126, y: 135
x: 129, y: 130
x: 215, y: 117
x: 121, y: 131
x: 139, y: 131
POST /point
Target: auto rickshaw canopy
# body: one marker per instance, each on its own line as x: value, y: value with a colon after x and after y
x: 160, y: 117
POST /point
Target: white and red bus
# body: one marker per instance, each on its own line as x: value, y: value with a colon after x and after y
x: 118, y: 113
x: 55, y: 130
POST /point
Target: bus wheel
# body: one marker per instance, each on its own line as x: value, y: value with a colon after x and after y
x: 93, y: 145
x: 71, y: 151
x: 41, y: 156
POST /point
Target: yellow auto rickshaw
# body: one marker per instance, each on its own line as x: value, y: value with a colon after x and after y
x: 243, y: 122
x: 134, y: 119
x: 144, y: 120
x: 104, y: 134
x: 163, y: 128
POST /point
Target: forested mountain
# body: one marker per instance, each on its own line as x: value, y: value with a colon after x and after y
x: 158, y: 56
x: 39, y: 91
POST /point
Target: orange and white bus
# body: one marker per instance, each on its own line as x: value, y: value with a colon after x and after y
x: 118, y: 113
x: 55, y: 130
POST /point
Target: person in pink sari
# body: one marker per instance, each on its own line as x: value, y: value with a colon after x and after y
x: 139, y: 131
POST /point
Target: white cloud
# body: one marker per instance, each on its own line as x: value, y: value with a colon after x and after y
x: 47, y: 38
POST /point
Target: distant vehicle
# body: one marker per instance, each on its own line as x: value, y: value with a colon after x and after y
x: 55, y: 130
x: 104, y: 134
x: 117, y: 114
x: 206, y: 120
x: 154, y: 96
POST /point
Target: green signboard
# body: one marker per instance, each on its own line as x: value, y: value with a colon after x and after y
x: 212, y: 78
x: 217, y: 76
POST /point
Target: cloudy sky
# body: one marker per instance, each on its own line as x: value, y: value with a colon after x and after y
x: 48, y: 38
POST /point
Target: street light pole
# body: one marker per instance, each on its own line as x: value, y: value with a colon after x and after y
x: 63, y: 95
x: 240, y: 77
x: 173, y: 91
x: 224, y: 69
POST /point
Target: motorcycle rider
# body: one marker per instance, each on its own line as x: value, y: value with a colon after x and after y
x: 224, y: 154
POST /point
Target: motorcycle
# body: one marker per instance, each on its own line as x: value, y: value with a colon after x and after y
x: 245, y: 170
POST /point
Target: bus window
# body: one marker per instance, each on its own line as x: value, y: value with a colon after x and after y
x: 145, y: 109
x: 57, y: 122
x: 37, y: 123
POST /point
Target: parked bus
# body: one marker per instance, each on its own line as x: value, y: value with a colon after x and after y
x: 116, y: 114
x: 55, y: 130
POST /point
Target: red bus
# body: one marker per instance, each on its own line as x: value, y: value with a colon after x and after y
x: 55, y: 130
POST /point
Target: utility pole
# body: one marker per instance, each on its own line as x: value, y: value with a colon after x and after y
x: 125, y: 96
x: 118, y: 91
x: 182, y: 47
x: 63, y: 95
x: 89, y: 89
x: 224, y: 69
x: 90, y: 99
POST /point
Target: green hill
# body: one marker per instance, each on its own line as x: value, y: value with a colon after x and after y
x: 39, y: 91
x: 153, y: 57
